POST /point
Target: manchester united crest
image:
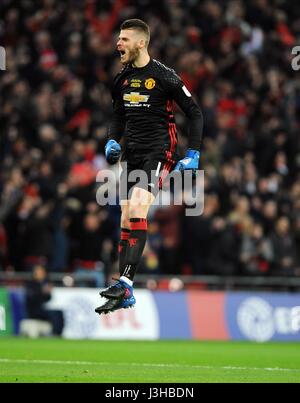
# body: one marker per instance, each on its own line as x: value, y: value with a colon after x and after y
x: 150, y: 83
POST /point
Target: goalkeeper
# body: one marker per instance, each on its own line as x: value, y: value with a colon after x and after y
x: 143, y: 94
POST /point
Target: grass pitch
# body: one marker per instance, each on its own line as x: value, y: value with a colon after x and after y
x: 63, y: 361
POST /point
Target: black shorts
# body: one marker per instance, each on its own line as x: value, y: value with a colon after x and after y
x: 145, y: 170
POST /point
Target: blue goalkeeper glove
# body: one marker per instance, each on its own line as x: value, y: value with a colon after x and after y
x: 112, y: 151
x: 189, y: 162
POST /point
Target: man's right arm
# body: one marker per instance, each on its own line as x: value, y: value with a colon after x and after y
x: 115, y: 129
x: 117, y: 124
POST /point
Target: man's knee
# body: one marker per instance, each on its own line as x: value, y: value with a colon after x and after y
x: 140, y: 203
x: 138, y: 211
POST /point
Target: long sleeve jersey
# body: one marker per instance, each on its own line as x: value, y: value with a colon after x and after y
x: 143, y: 108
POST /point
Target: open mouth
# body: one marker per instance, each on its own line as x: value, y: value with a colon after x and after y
x: 122, y: 52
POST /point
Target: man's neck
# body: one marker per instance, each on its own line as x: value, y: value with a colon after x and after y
x: 142, y: 60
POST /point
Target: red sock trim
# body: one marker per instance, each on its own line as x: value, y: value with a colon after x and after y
x: 125, y: 233
x: 138, y: 224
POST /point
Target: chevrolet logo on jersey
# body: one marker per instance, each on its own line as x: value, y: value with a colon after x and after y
x: 136, y: 98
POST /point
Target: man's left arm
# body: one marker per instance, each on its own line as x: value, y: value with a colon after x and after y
x: 184, y: 100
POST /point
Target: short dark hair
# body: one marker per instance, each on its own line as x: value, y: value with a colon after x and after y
x: 137, y: 24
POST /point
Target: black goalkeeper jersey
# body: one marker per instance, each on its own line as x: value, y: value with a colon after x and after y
x: 143, y: 108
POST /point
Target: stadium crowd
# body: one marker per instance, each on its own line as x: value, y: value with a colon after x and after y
x: 55, y: 105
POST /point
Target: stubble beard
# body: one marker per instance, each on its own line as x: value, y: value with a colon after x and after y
x: 133, y: 55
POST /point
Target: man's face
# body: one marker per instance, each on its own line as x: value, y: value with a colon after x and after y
x: 128, y: 45
x: 39, y: 273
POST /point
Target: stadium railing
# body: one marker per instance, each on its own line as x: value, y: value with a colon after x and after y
x: 170, y: 282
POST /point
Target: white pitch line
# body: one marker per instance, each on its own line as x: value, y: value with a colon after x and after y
x: 136, y: 364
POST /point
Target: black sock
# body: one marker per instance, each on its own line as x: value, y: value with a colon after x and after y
x: 136, y: 244
x: 123, y: 244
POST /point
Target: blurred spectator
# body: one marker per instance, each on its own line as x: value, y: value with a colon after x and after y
x: 283, y: 243
x: 37, y: 238
x: 38, y: 292
x: 169, y: 251
x: 269, y: 215
x: 256, y: 251
x: 240, y: 215
x: 197, y: 233
x: 224, y: 249
x: 95, y: 248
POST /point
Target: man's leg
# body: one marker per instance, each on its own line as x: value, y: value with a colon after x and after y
x: 139, y: 205
x: 125, y: 232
